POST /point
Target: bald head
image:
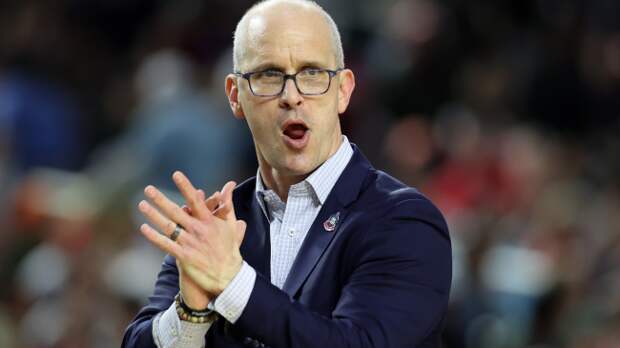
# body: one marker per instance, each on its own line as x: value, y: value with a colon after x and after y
x: 253, y: 25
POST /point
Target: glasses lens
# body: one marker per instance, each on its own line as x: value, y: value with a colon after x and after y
x: 267, y: 82
x: 313, y: 81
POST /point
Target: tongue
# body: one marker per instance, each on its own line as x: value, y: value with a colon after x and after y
x: 295, y: 131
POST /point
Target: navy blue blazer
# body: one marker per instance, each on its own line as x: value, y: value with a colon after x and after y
x: 381, y: 278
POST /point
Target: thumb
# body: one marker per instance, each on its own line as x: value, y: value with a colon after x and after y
x: 179, y: 267
x: 213, y: 201
x: 240, y: 231
x: 227, y: 202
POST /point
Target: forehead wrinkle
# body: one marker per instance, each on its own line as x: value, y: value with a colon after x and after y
x: 292, y: 56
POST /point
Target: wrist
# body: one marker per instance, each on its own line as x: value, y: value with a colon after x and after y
x: 196, y: 316
x: 198, y: 303
x: 195, y: 305
x: 194, y: 296
x: 228, y: 276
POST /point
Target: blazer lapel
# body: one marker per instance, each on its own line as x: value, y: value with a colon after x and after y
x: 255, y: 247
x: 345, y: 191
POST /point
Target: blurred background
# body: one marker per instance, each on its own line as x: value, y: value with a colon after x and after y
x: 506, y: 113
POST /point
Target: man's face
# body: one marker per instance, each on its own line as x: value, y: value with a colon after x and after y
x: 293, y: 133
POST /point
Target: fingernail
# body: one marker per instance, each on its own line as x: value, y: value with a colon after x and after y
x: 149, y: 191
x: 143, y: 205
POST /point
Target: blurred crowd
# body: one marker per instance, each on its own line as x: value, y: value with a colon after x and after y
x: 505, y: 113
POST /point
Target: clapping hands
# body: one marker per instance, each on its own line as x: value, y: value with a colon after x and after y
x: 207, y: 247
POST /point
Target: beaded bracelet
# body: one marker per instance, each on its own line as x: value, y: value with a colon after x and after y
x: 194, y: 316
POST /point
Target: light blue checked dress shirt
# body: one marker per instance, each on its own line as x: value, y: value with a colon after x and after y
x: 288, y: 225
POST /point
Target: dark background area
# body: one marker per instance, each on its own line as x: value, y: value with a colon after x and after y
x: 505, y: 113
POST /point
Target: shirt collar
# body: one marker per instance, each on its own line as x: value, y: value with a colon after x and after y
x: 323, y: 179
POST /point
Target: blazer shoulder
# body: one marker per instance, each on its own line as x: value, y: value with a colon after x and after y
x: 393, y: 199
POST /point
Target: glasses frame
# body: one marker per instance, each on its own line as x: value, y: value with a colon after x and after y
x: 293, y: 77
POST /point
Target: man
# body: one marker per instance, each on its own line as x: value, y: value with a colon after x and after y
x: 336, y: 253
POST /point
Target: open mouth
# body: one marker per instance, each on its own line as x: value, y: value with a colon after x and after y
x: 295, y: 134
x: 295, y: 131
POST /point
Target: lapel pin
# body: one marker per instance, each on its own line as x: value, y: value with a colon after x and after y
x: 330, y: 224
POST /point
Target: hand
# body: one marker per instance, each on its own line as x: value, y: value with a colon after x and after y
x: 193, y: 295
x: 208, y: 249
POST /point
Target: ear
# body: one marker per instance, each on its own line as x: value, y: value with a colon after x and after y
x: 232, y: 92
x: 346, y: 85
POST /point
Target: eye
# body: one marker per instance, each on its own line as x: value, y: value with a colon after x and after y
x: 311, y: 72
x: 271, y: 73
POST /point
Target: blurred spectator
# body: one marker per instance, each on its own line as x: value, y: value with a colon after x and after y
x: 43, y: 126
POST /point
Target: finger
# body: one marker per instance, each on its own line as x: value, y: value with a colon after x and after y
x: 226, y: 206
x: 240, y: 231
x: 161, y: 241
x: 164, y: 224
x: 202, y: 194
x: 213, y: 201
x: 187, y: 209
x: 168, y: 208
x: 192, y: 196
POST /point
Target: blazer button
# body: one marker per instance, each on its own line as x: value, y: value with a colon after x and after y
x: 248, y: 341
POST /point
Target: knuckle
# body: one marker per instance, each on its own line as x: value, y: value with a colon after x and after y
x: 196, y: 197
x: 179, y: 211
x: 196, y: 227
x: 201, y: 237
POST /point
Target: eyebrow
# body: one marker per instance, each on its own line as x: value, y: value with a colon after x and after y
x: 302, y: 65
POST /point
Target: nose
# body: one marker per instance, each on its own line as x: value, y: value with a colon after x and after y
x: 290, y: 97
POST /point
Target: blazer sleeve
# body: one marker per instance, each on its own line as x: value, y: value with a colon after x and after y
x: 396, y: 296
x: 139, y: 333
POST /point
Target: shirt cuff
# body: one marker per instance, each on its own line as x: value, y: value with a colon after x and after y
x: 170, y: 331
x: 232, y: 301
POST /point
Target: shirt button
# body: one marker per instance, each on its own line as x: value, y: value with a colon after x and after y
x: 291, y: 232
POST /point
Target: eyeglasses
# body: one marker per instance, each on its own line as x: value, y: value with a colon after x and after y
x: 270, y: 83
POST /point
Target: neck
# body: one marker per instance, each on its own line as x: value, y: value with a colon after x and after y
x: 278, y: 182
